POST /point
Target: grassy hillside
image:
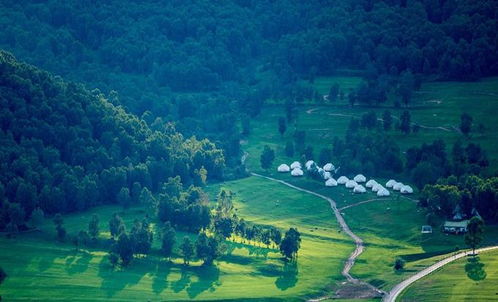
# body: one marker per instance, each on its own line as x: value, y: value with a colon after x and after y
x: 38, y: 267
x: 462, y: 280
x: 436, y: 108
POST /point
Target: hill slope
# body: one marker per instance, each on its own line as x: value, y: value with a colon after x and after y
x: 64, y: 148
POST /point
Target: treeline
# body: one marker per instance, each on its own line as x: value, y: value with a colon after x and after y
x: 233, y: 55
x: 464, y: 196
x: 64, y: 148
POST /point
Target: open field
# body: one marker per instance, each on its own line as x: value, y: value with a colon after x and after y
x: 436, y: 107
x: 41, y: 267
x: 462, y: 280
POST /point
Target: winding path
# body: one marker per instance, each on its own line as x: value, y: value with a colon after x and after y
x: 357, y: 240
x: 397, y: 289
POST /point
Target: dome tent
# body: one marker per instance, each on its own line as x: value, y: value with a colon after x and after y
x: 297, y: 172
x: 390, y: 183
x: 327, y: 175
x: 377, y: 188
x: 331, y: 182
x: 359, y: 189
x: 360, y: 178
x: 351, y: 184
x: 370, y: 183
x: 383, y: 192
x: 309, y: 164
x: 397, y: 186
x: 283, y: 168
x: 295, y: 165
x: 406, y: 190
x: 328, y: 167
x: 342, y: 180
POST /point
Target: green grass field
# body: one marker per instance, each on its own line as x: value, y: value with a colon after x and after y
x: 462, y: 280
x: 40, y: 268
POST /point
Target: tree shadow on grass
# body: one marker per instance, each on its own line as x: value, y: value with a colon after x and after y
x: 475, y: 269
x: 160, y: 282
x: 115, y: 280
x: 183, y: 282
x: 78, y: 262
x: 207, y: 279
x: 288, y: 277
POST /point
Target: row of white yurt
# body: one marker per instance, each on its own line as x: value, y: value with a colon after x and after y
x: 283, y: 168
x: 297, y: 172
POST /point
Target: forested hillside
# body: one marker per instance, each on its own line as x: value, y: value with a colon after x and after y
x: 200, y: 63
x: 64, y: 148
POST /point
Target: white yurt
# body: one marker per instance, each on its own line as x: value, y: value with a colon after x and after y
x: 370, y: 183
x: 406, y: 190
x: 351, y: 184
x: 383, y: 192
x: 390, y: 183
x: 360, y: 178
x: 283, y: 168
x: 295, y: 165
x: 331, y: 182
x: 342, y: 180
x: 359, y: 189
x: 309, y: 164
x: 297, y: 172
x: 377, y: 188
x: 397, y: 186
x: 328, y: 167
x: 327, y: 175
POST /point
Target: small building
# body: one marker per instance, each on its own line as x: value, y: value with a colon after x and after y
x: 426, y: 229
x: 455, y: 227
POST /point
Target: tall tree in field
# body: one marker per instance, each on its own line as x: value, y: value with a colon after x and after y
x: 290, y: 244
x: 187, y: 249
x: 405, y: 122
x: 93, y: 226
x: 333, y: 92
x: 289, y: 149
x: 124, y: 197
x: 465, y: 123
x: 475, y: 233
x: 282, y: 125
x: 387, y: 120
x: 267, y: 157
x: 116, y: 225
x: 125, y: 249
x: 168, y: 240
x: 59, y: 226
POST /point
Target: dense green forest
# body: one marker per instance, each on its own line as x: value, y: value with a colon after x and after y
x: 65, y: 148
x: 206, y: 65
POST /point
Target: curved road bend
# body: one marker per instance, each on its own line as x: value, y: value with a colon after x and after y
x: 358, y: 242
x: 397, y: 289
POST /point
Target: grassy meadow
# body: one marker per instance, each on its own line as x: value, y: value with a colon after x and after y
x: 462, y: 280
x: 41, y: 268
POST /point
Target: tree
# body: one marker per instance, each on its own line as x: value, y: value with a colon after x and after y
x: 333, y: 92
x: 289, y: 149
x: 61, y: 231
x: 267, y: 157
x: 308, y: 152
x: 113, y: 259
x: 465, y: 123
x: 168, y: 240
x: 475, y: 233
x: 141, y: 237
x: 3, y: 275
x: 81, y: 239
x: 124, y: 198
x: 404, y: 125
x: 37, y: 217
x: 282, y: 125
x: 387, y: 120
x: 325, y: 156
x: 208, y: 248
x: 93, y: 226
x: 116, y: 225
x: 124, y: 248
x: 399, y: 263
x: 187, y: 249
x: 290, y: 244
x: 299, y: 140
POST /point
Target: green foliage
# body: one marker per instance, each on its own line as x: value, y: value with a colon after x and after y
x: 465, y: 123
x: 93, y: 226
x: 475, y: 233
x: 267, y: 157
x: 168, y: 240
x: 187, y: 249
x: 116, y: 225
x: 290, y: 244
x: 124, y: 248
x: 399, y: 264
x: 3, y: 275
